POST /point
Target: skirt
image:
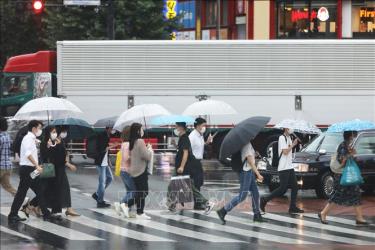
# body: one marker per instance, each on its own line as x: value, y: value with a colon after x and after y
x: 345, y: 195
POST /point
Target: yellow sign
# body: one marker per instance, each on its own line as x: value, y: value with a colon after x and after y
x: 367, y: 13
x: 173, y: 35
x: 171, y: 9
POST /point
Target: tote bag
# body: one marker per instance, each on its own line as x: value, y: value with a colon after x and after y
x: 48, y: 171
x: 351, y: 175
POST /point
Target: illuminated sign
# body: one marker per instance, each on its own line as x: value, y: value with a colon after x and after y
x: 367, y: 13
x: 299, y: 14
x: 170, y: 9
x: 323, y: 14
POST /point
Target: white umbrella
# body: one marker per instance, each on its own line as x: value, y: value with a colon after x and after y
x: 209, y: 107
x: 139, y: 113
x: 299, y: 126
x: 48, y: 108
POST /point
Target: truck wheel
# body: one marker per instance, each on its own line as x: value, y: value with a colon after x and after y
x: 325, y: 185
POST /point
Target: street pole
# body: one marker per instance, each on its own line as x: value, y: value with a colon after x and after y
x: 110, y: 21
x: 218, y: 17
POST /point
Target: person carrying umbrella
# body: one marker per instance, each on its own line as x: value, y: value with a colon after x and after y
x: 286, y: 173
x: 184, y: 165
x: 239, y: 139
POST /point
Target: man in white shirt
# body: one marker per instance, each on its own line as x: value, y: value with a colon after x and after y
x: 248, y: 176
x: 29, y: 163
x: 286, y: 173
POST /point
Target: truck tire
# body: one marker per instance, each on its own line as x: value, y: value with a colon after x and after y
x: 324, y: 189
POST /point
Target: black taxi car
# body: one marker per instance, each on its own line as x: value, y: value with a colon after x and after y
x: 311, y: 165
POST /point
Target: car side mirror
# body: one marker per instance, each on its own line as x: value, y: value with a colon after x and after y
x: 322, y: 151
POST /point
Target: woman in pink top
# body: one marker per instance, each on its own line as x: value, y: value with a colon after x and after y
x: 122, y: 206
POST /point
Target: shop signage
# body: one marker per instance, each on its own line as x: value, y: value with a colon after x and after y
x: 323, y: 14
x: 367, y: 13
x: 299, y: 15
x: 170, y: 9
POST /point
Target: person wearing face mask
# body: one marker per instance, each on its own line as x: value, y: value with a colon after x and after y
x: 286, y: 173
x: 185, y: 165
x: 103, y: 166
x: 140, y: 154
x: 349, y: 196
x: 29, y: 162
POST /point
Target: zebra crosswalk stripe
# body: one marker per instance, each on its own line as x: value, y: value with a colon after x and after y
x: 168, y: 228
x: 333, y: 219
x: 125, y: 232
x: 318, y: 225
x: 298, y: 232
x: 52, y: 228
x: 229, y: 229
x: 15, y: 233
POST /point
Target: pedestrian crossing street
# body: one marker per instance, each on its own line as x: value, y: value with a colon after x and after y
x: 105, y: 227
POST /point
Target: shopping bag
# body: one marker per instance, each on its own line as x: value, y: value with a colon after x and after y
x: 150, y: 164
x: 351, y: 175
x: 118, y: 163
x: 180, y: 189
x: 335, y: 165
x: 48, y: 171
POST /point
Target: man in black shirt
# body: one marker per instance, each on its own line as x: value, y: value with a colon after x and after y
x: 184, y: 165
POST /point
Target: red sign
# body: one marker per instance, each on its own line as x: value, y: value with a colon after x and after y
x: 299, y: 15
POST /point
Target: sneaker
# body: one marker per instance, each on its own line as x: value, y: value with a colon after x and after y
x: 295, y: 210
x: 102, y: 205
x: 263, y: 204
x: 258, y: 218
x: 125, y: 210
x: 143, y: 216
x: 95, y: 197
x: 221, y: 213
x: 209, y: 206
x: 117, y: 208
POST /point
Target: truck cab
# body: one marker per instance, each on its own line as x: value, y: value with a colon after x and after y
x: 26, y: 77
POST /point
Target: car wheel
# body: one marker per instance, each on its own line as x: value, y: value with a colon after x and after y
x: 325, y: 187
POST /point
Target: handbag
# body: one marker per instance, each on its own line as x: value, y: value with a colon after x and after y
x: 335, y: 165
x: 180, y: 189
x: 118, y: 163
x: 150, y: 164
x: 351, y: 175
x: 48, y: 171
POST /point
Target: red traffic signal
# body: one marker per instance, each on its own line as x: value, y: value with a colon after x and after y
x: 38, y: 6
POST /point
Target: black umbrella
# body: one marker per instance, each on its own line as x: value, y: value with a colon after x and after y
x: 108, y: 122
x: 241, y: 134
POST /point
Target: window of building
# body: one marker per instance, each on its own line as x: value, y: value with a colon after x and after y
x: 302, y: 19
x: 211, y: 12
x: 363, y: 19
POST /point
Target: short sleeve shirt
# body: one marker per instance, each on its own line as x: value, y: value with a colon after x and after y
x: 183, y: 144
x: 246, y: 151
x: 285, y: 162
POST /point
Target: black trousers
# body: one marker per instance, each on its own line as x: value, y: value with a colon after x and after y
x: 141, y: 187
x: 27, y: 182
x: 287, y: 179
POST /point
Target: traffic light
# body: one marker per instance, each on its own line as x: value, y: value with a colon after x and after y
x: 38, y: 6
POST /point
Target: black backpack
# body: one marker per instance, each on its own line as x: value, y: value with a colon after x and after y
x: 91, y: 147
x: 275, y: 151
x: 235, y: 162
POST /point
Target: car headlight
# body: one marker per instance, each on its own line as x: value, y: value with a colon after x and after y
x: 300, y: 167
x: 261, y: 165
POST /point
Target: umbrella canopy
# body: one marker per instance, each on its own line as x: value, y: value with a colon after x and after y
x: 139, y: 114
x: 108, y: 122
x: 353, y: 125
x: 299, y: 126
x: 47, y: 108
x: 171, y: 119
x: 241, y: 134
x: 209, y: 107
x: 77, y: 128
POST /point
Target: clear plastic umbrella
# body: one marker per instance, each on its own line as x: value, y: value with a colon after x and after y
x: 299, y: 126
x: 139, y: 113
x: 209, y: 107
x: 47, y: 108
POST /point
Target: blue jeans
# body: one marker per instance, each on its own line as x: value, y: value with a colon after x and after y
x: 105, y: 178
x: 129, y: 186
x: 247, y: 184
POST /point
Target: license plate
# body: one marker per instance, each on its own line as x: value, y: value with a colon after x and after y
x: 275, y: 179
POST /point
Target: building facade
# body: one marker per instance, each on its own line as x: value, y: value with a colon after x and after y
x: 276, y: 19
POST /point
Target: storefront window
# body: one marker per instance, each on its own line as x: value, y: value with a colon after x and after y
x: 363, y: 19
x: 301, y: 19
x: 211, y: 12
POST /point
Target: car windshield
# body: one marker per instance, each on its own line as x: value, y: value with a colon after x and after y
x: 326, y: 141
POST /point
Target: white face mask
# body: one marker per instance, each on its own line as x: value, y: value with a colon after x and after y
x: 142, y: 133
x: 203, y: 130
x: 63, y: 135
x: 113, y: 131
x: 291, y: 131
x: 176, y: 132
x: 39, y: 133
x: 53, y: 136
